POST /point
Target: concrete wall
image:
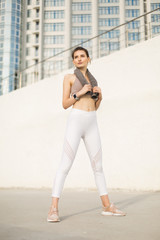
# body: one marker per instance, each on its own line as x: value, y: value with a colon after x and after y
x: 32, y: 125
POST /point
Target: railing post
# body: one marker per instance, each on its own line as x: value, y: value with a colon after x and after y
x: 109, y: 46
x: 20, y: 79
x: 138, y: 35
x: 150, y: 30
x: 118, y: 43
x: 126, y: 32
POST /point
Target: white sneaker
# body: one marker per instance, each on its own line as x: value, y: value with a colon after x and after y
x: 111, y: 210
x: 53, y: 215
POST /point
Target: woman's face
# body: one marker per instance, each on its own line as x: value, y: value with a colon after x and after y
x: 80, y: 59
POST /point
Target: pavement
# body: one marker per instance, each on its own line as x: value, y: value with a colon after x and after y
x: 23, y: 214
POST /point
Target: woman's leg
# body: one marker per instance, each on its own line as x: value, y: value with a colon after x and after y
x: 71, y: 142
x: 93, y: 146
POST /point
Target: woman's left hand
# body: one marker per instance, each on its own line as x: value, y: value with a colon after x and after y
x: 98, y: 89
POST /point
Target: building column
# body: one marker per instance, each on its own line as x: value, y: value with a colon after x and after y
x: 68, y: 33
x: 148, y: 19
x: 142, y: 21
x: 7, y: 48
x: 95, y: 41
x: 41, y: 41
x: 123, y: 29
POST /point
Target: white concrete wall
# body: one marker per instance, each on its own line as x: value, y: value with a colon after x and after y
x: 32, y: 124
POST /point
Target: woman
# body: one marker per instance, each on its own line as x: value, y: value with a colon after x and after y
x: 79, y: 90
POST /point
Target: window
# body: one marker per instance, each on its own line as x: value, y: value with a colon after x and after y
x: 109, y: 46
x: 81, y: 18
x: 108, y: 22
x: 59, y: 14
x: 51, y: 27
x: 155, y: 17
x: 108, y: 1
x: 155, y: 5
x: 82, y: 30
x: 135, y: 36
x: 55, y: 39
x: 132, y: 13
x: 17, y: 53
x: 18, y: 14
x: 13, y: 19
x: 27, y: 51
x: 48, y: 52
x: 28, y: 25
x: 155, y: 29
x: 2, y: 31
x: 81, y: 6
x: 28, y: 13
x: 87, y: 44
x: 133, y: 25
x: 13, y: 5
x: 37, y: 13
x: 37, y: 26
x: 28, y: 38
x: 18, y: 26
x: 37, y: 38
x: 52, y: 67
x: 28, y: 2
x: 2, y: 12
x: 132, y: 2
x: 50, y: 3
x: 108, y: 10
x: 2, y: 19
x: 111, y: 34
x: 36, y: 51
x: 2, y: 39
x: 1, y: 25
x: 28, y: 63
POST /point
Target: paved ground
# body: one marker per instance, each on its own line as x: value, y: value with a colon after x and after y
x: 23, y: 216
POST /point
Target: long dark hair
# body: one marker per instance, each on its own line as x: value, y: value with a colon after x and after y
x: 79, y: 48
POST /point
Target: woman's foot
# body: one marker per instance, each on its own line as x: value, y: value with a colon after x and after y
x: 53, y: 215
x: 111, y: 210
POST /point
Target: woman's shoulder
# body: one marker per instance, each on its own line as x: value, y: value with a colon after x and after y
x: 69, y: 77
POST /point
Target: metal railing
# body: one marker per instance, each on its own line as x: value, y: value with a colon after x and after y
x: 124, y: 35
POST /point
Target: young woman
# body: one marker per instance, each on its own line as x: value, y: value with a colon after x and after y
x: 79, y: 90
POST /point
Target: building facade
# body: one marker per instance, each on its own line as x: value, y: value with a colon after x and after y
x: 10, y: 32
x: 50, y: 27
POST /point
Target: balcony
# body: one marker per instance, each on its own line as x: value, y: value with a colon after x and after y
x: 36, y: 16
x: 36, y: 30
x: 36, y: 42
x: 36, y: 4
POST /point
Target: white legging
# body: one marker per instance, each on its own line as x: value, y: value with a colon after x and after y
x: 81, y: 124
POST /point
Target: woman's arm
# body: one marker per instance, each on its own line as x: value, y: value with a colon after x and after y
x: 67, y: 100
x: 97, y: 103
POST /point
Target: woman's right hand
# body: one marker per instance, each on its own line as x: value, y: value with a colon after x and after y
x: 86, y: 88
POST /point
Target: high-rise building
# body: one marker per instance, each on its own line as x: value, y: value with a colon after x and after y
x: 52, y: 26
x: 10, y: 22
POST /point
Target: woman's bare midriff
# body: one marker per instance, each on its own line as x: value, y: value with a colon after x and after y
x: 85, y: 103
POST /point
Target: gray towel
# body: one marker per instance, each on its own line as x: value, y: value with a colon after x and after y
x: 83, y: 80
